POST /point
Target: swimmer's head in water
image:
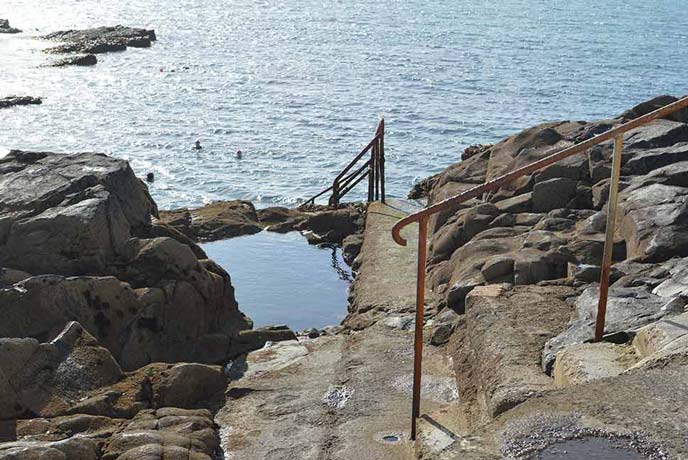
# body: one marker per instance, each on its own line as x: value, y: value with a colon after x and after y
x: 198, y: 144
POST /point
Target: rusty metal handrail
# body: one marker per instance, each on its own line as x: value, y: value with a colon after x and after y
x: 374, y: 170
x: 423, y: 216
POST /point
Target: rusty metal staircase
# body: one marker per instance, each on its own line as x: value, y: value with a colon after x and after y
x: 373, y: 168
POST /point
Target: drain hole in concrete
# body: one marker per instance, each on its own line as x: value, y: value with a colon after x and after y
x: 390, y: 438
x: 589, y: 449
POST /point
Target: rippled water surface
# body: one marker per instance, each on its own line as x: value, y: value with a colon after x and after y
x: 589, y: 449
x: 281, y: 279
x: 298, y: 85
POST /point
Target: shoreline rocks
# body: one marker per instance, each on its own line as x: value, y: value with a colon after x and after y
x: 227, y: 219
x: 216, y: 221
x: 516, y: 274
x: 81, y: 60
x: 89, y: 42
x: 5, y: 28
x: 111, y: 322
x: 100, y: 39
x: 514, y: 287
x: 11, y: 101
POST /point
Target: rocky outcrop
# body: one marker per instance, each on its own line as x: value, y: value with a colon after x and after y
x: 216, y: 221
x: 47, y: 378
x: 514, y: 275
x: 12, y: 101
x: 166, y: 433
x: 532, y: 229
x: 81, y: 226
x: 321, y: 225
x: 69, y: 397
x: 98, y: 40
x: 80, y: 60
x: 256, y: 339
x: 5, y: 27
x: 325, y: 226
x: 422, y: 188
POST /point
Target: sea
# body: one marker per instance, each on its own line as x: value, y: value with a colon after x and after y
x: 299, y: 85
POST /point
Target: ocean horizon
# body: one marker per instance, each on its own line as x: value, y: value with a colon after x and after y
x: 298, y: 87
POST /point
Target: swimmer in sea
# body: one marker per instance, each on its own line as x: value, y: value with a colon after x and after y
x: 197, y: 146
x: 238, y: 154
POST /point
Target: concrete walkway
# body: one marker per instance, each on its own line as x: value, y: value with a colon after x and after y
x: 388, y: 271
x: 341, y: 397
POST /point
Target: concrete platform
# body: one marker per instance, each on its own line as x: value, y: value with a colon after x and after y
x: 348, y: 396
x: 386, y: 281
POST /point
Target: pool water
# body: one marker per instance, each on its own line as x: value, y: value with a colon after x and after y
x: 281, y: 279
x: 588, y: 449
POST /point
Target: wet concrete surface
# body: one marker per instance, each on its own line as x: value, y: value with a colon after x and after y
x: 340, y: 400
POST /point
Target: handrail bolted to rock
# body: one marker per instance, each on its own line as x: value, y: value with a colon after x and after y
x: 373, y: 169
x: 424, y: 215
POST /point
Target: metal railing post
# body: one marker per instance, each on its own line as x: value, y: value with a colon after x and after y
x: 381, y: 155
x: 609, y: 238
x: 371, y: 175
x: 376, y: 154
x: 334, y: 199
x: 420, y: 316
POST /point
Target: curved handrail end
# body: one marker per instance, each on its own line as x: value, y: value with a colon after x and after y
x: 396, y: 229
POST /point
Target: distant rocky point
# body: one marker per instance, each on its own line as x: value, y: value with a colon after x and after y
x: 11, y: 101
x: 5, y: 27
x: 98, y: 40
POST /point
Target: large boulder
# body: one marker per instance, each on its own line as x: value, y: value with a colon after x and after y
x: 628, y: 308
x: 653, y: 104
x: 660, y: 133
x: 144, y: 292
x: 553, y: 193
x: 185, y: 385
x: 45, y: 379
x: 332, y: 226
x: 68, y: 214
x: 654, y: 214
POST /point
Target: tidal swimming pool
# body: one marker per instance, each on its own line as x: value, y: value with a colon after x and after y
x: 281, y: 279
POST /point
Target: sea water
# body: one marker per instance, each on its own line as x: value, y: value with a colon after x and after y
x: 299, y: 85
